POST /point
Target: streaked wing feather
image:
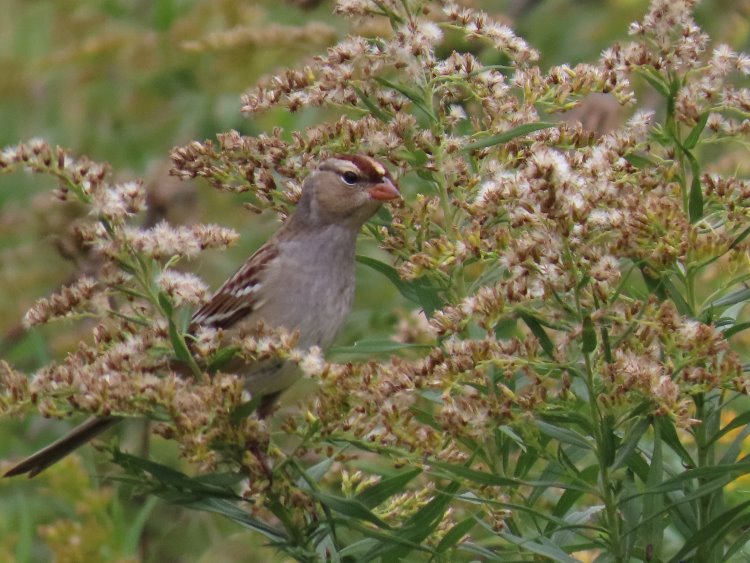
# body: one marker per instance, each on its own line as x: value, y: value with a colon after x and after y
x: 238, y: 297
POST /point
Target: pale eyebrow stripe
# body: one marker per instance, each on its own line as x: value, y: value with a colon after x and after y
x: 340, y: 165
x: 377, y: 166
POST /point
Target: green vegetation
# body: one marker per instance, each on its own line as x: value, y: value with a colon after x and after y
x: 546, y: 361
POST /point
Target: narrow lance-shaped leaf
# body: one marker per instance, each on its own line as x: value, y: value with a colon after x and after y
x: 537, y: 330
x: 588, y: 335
x: 370, y: 105
x: 654, y: 530
x: 716, y: 528
x: 418, y: 291
x: 564, y: 435
x: 506, y: 136
x: 376, y: 346
x: 380, y: 492
x: 418, y: 526
x: 692, y: 138
x: 349, y: 507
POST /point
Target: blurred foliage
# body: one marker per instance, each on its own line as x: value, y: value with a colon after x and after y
x: 124, y: 82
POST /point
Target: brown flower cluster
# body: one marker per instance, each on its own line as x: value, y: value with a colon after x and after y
x: 539, y: 231
x: 562, y: 271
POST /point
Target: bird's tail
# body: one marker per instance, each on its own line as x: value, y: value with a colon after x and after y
x: 41, y: 460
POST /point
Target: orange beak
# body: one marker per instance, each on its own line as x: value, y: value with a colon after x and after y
x: 384, y: 191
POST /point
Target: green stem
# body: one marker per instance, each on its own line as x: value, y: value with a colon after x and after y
x: 706, y: 458
x: 142, y: 274
x: 607, y: 494
x: 279, y: 510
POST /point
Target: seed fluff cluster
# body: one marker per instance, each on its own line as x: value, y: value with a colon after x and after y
x: 558, y: 271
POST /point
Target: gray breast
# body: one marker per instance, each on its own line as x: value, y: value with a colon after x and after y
x: 312, y: 290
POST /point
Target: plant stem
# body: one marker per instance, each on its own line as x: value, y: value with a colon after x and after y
x: 703, y: 432
x: 605, y: 483
x: 607, y: 494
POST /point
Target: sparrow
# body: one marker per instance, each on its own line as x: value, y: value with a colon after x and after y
x: 301, y: 279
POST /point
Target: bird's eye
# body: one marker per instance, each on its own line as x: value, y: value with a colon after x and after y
x: 350, y: 177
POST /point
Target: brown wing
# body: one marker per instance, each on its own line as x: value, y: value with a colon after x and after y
x: 239, y: 296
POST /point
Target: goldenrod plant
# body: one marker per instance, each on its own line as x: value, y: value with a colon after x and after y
x: 565, y: 381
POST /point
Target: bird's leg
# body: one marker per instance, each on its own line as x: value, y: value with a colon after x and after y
x: 267, y: 403
x: 254, y: 446
x: 259, y: 451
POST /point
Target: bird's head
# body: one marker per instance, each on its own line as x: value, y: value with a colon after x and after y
x: 348, y: 189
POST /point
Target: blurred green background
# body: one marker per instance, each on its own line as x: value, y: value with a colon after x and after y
x: 124, y: 82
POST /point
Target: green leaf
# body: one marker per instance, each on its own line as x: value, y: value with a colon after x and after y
x: 679, y: 301
x: 734, y: 449
x: 565, y: 534
x: 165, y: 303
x: 630, y: 442
x: 570, y: 417
x: 652, y: 504
x: 508, y: 431
x: 453, y: 471
x: 739, y: 238
x: 506, y: 328
x: 656, y: 81
x: 588, y: 336
x: 739, y: 296
x: 609, y: 440
x: 425, y: 417
x: 136, y: 524
x: 548, y: 550
x: 631, y: 513
x: 222, y: 358
x: 433, y: 511
x: 415, y: 157
x: 695, y: 197
x: 380, y: 492
x: 357, y: 549
x: 376, y: 346
x: 564, y: 504
x: 738, y: 421
x: 454, y: 535
x: 677, y: 502
x: 223, y: 480
x: 377, y: 111
x: 418, y: 291
x: 178, y: 343
x: 653, y: 283
x: 418, y: 526
x: 669, y: 435
x: 313, y: 474
x: 695, y: 201
x: 735, y: 329
x: 509, y: 135
x: 171, y: 484
x: 26, y: 533
x: 162, y: 473
x: 709, y: 472
x: 606, y: 346
x: 349, y: 507
x: 712, y: 531
x: 175, y: 337
x: 639, y: 161
x: 416, y: 97
x: 563, y: 435
x: 384, y: 541
x: 229, y: 510
x: 692, y: 138
x: 164, y: 14
x: 246, y: 409
x: 738, y: 544
x: 537, y: 330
